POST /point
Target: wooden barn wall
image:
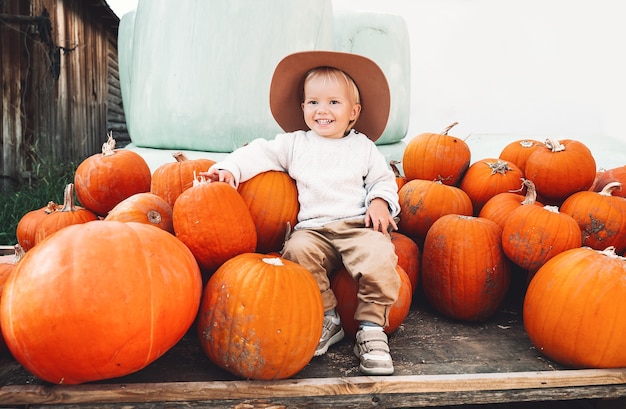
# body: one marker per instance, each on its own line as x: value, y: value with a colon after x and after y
x: 60, y: 83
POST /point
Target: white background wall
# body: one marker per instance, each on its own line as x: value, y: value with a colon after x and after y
x: 523, y: 67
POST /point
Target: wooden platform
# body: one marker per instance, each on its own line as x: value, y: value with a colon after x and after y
x: 438, y: 363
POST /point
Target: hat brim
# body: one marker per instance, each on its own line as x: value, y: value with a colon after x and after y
x: 288, y: 82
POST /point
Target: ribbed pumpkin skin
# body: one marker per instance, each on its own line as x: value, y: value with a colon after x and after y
x: 617, y: 174
x: 171, y: 179
x: 422, y: 202
x: 105, y: 179
x: 99, y: 300
x: 259, y: 320
x: 345, y: 289
x: 517, y: 152
x: 574, y: 309
x: 601, y: 218
x: 465, y: 275
x: 532, y: 235
x: 558, y: 175
x: 145, y: 208
x: 272, y: 198
x: 432, y: 156
x: 487, y: 177
x: 213, y: 220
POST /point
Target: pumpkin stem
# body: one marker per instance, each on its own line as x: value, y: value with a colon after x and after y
x: 19, y: 253
x: 526, y: 143
x: 154, y: 216
x: 52, y: 207
x: 499, y: 167
x: 453, y: 124
x: 531, y: 192
x: 275, y: 261
x: 610, y: 252
x: 394, y: 167
x: 179, y: 156
x: 554, y: 145
x: 68, y: 199
x: 610, y: 187
x: 553, y: 209
x: 108, y: 148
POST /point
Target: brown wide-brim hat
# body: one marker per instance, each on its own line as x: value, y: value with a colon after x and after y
x: 287, y: 88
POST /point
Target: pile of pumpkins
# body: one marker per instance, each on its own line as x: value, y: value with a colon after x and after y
x: 105, y: 288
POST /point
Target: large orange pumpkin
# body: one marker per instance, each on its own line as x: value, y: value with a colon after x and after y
x: 170, y: 179
x: 144, y: 208
x: 560, y: 168
x: 574, y: 309
x: 99, y: 300
x: 272, y: 198
x: 62, y: 217
x: 465, y: 274
x: 346, y: 288
x: 487, y: 177
x: 213, y: 220
x: 104, y: 179
x: 436, y: 157
x: 533, y: 235
x: 601, y: 217
x: 261, y: 317
x: 422, y: 202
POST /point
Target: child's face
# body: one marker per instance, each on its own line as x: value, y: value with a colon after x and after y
x: 328, y: 106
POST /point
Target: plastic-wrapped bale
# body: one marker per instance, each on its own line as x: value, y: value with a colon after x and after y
x: 385, y: 39
x: 201, y: 70
x: 125, y: 55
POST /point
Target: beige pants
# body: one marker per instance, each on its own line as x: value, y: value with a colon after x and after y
x: 368, y: 255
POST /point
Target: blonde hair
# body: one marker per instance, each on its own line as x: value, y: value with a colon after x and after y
x: 337, y: 76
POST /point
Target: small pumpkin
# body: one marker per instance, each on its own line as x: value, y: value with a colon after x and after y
x: 99, y: 300
x: 600, y: 216
x: 422, y: 202
x: 104, y: 179
x: 65, y: 216
x: 465, y: 274
x: 272, y: 218
x: 517, y: 152
x: 261, y: 317
x: 560, y: 168
x: 436, y: 157
x: 346, y: 288
x: 27, y: 225
x: 486, y: 178
x: 213, y: 220
x: 532, y: 235
x: 574, y: 310
x: 144, y: 208
x: 170, y: 179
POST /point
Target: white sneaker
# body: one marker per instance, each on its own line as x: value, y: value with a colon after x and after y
x: 332, y: 332
x: 372, y: 349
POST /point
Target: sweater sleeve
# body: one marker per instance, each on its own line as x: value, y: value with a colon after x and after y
x: 380, y: 182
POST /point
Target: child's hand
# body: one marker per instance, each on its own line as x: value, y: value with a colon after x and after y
x: 378, y: 217
x: 219, y: 175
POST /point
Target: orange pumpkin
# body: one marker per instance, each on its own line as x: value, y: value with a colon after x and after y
x: 213, y: 220
x: 600, y: 216
x: 499, y: 207
x: 532, y: 235
x: 408, y: 253
x: 26, y: 227
x: 574, y: 310
x: 465, y: 274
x: 99, y: 300
x: 517, y: 152
x: 436, y: 157
x: 560, y: 168
x: 272, y: 217
x: 171, y: 179
x: 261, y: 317
x: 346, y: 288
x: 488, y: 177
x: 65, y: 216
x: 422, y: 202
x: 617, y: 174
x: 144, y: 208
x: 105, y: 179
x: 7, y: 266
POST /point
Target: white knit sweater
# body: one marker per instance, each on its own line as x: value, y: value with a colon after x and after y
x: 336, y: 178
